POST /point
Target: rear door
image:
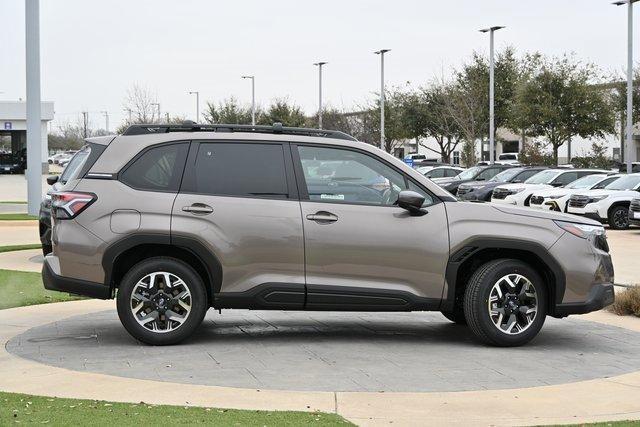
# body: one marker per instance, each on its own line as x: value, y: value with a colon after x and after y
x: 240, y: 201
x: 362, y: 251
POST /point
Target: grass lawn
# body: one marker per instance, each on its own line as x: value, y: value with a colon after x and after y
x: 31, y: 410
x: 19, y: 247
x: 13, y: 202
x: 20, y: 288
x: 17, y: 217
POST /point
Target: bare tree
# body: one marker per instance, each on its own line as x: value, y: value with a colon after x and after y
x: 140, y: 105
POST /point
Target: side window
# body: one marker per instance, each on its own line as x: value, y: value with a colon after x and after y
x: 566, y: 178
x: 345, y: 176
x: 240, y: 169
x: 523, y: 176
x: 604, y: 183
x: 437, y: 173
x: 451, y: 173
x: 488, y: 174
x: 157, y: 169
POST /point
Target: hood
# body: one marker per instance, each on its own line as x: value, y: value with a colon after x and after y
x: 481, y: 184
x: 524, y: 185
x: 556, y: 191
x: 441, y: 181
x: 604, y: 192
x: 551, y: 215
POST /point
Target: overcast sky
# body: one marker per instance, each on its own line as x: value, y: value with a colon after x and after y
x: 92, y: 51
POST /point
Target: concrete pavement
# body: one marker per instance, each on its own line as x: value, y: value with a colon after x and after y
x: 603, y: 399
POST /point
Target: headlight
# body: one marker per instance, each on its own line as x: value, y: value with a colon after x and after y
x: 555, y: 196
x: 516, y: 190
x: 596, y: 198
x: 583, y: 231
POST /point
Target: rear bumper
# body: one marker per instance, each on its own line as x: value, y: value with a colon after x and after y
x: 599, y: 297
x: 54, y: 282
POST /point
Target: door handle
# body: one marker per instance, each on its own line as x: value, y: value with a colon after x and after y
x: 198, y: 209
x: 322, y: 217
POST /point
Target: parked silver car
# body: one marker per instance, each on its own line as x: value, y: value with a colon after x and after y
x: 175, y: 219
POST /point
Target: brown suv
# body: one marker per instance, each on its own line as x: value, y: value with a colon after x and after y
x: 176, y: 219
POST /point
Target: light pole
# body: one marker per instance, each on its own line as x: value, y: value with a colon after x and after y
x: 492, y: 129
x: 106, y: 120
x: 197, y: 94
x: 34, y: 113
x: 381, y: 52
x: 157, y: 105
x: 253, y: 98
x: 319, y: 65
x: 629, y: 137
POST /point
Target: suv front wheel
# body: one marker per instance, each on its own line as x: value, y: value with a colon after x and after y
x: 161, y: 301
x: 505, y: 303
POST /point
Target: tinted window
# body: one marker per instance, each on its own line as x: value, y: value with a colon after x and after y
x: 345, y: 176
x: 436, y: 173
x: 157, y: 169
x: 605, y: 182
x: 488, y: 173
x: 522, y: 177
x: 236, y: 169
x: 451, y: 172
x: 566, y: 178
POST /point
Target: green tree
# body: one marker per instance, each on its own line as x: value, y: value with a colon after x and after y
x: 559, y: 102
x: 597, y: 158
x: 228, y: 111
x: 536, y: 154
x: 334, y: 119
x: 282, y: 111
x: 395, y: 126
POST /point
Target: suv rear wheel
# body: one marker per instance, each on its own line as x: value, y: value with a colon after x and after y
x: 505, y: 303
x: 619, y: 217
x: 161, y: 301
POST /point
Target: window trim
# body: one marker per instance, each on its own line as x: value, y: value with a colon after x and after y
x: 180, y: 172
x: 188, y: 182
x: 302, y: 183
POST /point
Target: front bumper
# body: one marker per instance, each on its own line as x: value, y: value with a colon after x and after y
x: 55, y: 282
x: 599, y: 297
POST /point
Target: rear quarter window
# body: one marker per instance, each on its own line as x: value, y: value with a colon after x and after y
x: 158, y: 168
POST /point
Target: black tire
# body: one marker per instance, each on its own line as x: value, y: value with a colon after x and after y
x: 619, y: 218
x: 192, y: 281
x: 456, y: 316
x: 47, y: 249
x: 476, y: 303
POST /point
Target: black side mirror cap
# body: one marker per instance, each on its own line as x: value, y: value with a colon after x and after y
x: 412, y: 202
x: 52, y: 179
x: 556, y: 184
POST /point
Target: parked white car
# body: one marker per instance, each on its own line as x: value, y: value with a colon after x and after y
x: 609, y: 205
x: 557, y: 199
x: 519, y: 194
x: 441, y: 172
x: 509, y: 158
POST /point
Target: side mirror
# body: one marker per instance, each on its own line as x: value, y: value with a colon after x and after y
x: 556, y: 184
x: 480, y: 179
x: 412, y: 202
x: 52, y: 179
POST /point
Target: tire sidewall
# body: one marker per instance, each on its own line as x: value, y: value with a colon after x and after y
x: 192, y: 280
x: 612, y: 223
x: 481, y: 304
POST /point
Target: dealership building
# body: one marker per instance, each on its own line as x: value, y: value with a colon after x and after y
x: 13, y: 126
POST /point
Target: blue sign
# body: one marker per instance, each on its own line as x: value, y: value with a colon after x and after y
x: 7, y: 125
x: 409, y: 161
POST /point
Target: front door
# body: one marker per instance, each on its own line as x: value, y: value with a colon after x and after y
x: 361, y: 250
x: 239, y: 200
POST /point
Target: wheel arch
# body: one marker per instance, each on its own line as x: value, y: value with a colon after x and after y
x: 120, y: 256
x: 625, y: 203
x: 476, y: 252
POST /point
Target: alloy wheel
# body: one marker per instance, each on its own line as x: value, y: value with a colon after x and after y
x: 621, y: 218
x: 513, y: 304
x: 161, y: 302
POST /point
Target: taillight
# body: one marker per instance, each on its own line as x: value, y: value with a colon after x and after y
x: 69, y: 204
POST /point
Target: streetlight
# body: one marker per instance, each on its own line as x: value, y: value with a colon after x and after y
x: 629, y: 79
x: 253, y: 98
x: 319, y: 65
x: 157, y: 105
x: 381, y: 52
x: 34, y: 113
x: 197, y: 94
x: 492, y: 130
x: 106, y: 120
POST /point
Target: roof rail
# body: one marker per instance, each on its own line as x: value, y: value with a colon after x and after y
x: 277, y: 128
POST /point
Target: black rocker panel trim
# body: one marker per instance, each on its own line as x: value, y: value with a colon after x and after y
x: 473, y: 246
x: 267, y: 296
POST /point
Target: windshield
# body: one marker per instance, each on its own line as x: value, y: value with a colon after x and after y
x: 585, y: 182
x: 75, y: 164
x: 470, y: 173
x: 628, y: 182
x: 506, y: 175
x: 543, y: 177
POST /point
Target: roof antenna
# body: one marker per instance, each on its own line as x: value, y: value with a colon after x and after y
x: 277, y: 127
x: 188, y: 123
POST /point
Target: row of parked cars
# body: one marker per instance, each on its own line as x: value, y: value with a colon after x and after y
x: 608, y: 197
